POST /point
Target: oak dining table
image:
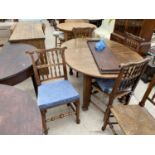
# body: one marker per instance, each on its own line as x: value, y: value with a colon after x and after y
x: 68, y: 26
x: 79, y: 57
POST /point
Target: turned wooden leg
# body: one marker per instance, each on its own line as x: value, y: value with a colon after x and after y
x: 106, y: 118
x: 43, y: 116
x: 86, y: 91
x: 77, y: 104
x: 77, y: 74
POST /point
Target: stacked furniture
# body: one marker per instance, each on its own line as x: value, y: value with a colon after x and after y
x: 139, y: 27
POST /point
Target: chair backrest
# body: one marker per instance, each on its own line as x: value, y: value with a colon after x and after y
x: 82, y: 32
x: 149, y: 95
x: 129, y: 77
x: 50, y: 64
x: 133, y: 41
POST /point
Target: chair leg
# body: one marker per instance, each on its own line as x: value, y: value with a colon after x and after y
x: 77, y: 104
x: 106, y: 119
x: 43, y: 116
x: 70, y: 71
x: 77, y: 74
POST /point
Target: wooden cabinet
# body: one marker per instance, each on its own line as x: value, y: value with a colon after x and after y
x: 139, y: 27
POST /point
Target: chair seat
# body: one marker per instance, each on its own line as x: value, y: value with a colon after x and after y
x: 56, y: 93
x: 106, y: 85
x: 134, y: 120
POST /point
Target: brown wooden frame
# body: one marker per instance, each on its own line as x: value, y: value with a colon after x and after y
x: 124, y: 85
x: 50, y: 66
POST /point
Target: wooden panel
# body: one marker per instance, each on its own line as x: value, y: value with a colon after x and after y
x: 26, y: 31
x: 104, y: 59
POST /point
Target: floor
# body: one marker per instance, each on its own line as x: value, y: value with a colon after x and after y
x: 91, y: 120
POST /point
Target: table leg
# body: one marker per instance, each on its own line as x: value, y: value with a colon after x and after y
x: 86, y: 91
x: 35, y: 85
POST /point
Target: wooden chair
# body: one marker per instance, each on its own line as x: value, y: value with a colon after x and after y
x: 136, y: 43
x: 123, y: 86
x: 135, y: 119
x: 81, y: 33
x: 51, y: 66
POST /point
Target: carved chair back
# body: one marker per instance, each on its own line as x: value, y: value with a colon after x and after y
x: 133, y: 42
x: 50, y: 64
x: 82, y: 32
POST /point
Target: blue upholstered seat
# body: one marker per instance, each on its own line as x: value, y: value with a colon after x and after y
x: 56, y: 93
x: 106, y: 85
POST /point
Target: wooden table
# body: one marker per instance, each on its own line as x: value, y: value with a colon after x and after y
x: 29, y: 33
x: 79, y: 57
x: 68, y: 26
x: 19, y: 114
x: 15, y: 64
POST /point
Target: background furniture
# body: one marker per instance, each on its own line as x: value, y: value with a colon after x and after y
x: 138, y: 27
x: 29, y: 33
x: 54, y: 93
x: 16, y: 66
x: 135, y: 119
x: 6, y: 30
x: 79, y: 57
x: 149, y: 72
x: 96, y: 22
x: 67, y: 28
x: 19, y: 114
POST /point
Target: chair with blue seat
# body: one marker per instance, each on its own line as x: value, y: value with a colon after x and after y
x: 123, y: 86
x: 53, y: 87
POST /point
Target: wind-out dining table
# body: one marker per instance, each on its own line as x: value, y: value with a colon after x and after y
x: 79, y: 57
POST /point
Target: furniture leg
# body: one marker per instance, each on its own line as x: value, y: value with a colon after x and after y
x: 35, y: 85
x: 77, y: 104
x: 43, y: 116
x: 86, y: 91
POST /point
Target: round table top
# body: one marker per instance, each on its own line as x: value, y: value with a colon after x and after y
x: 14, y: 60
x: 68, y: 26
x: 79, y: 57
x: 19, y: 114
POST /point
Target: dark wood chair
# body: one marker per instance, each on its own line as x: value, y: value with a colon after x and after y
x: 123, y: 86
x: 51, y: 66
x: 135, y: 119
x: 86, y: 32
x: 136, y: 43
